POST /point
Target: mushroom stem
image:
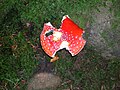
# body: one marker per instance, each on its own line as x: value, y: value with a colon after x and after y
x: 54, y: 59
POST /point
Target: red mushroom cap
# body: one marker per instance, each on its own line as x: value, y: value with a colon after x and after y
x: 69, y: 27
x: 49, y: 41
x: 69, y: 36
x: 72, y: 33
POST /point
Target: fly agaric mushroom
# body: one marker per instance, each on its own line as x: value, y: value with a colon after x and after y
x: 50, y: 39
x: 69, y: 36
x: 72, y: 33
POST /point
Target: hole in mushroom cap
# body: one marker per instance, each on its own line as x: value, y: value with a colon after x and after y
x: 48, y: 33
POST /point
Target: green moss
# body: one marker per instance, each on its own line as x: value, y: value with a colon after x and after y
x: 16, y: 55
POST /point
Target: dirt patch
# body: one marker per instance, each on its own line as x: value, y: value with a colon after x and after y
x: 102, y: 36
x: 44, y: 81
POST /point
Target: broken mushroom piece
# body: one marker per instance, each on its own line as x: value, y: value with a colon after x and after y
x: 50, y: 39
x: 69, y: 36
x: 72, y: 33
x: 54, y: 59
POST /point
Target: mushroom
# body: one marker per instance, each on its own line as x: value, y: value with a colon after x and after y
x: 69, y: 36
x: 72, y: 33
x: 50, y: 39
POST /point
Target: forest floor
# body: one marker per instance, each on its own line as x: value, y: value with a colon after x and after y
x: 24, y: 64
